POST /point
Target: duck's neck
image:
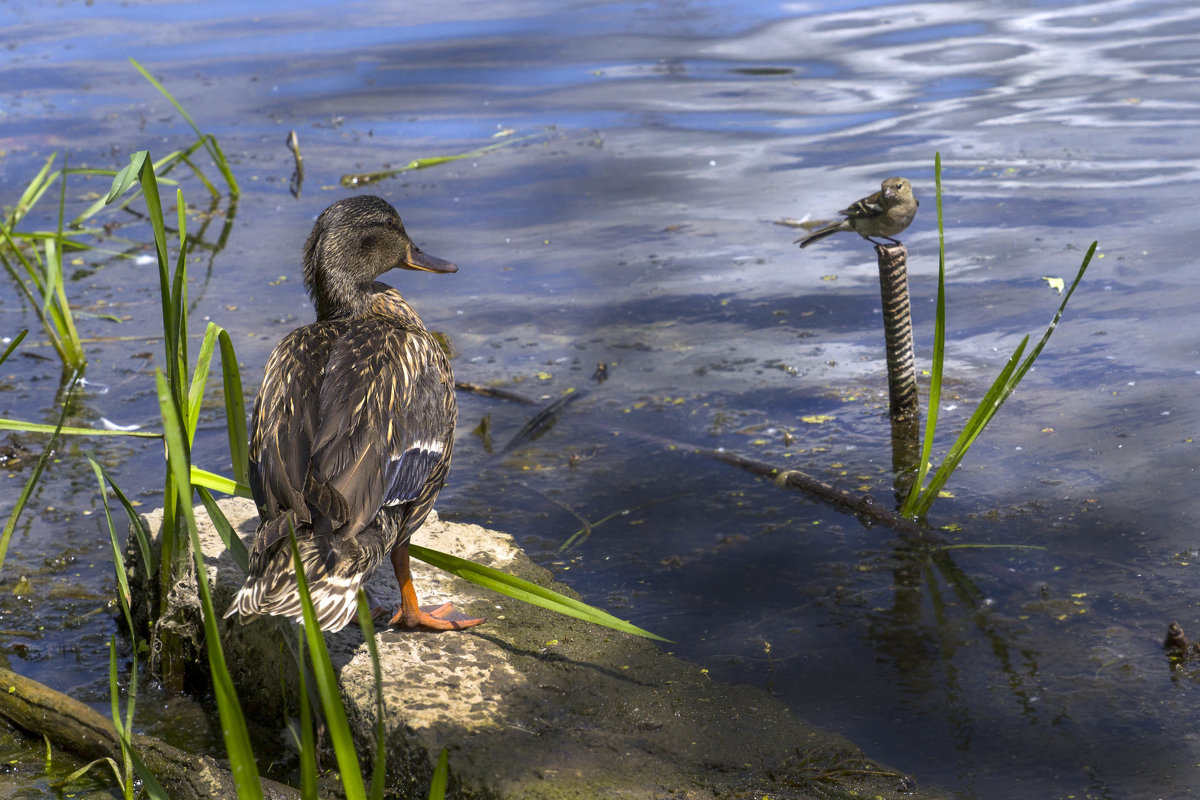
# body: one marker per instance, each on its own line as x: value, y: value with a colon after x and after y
x: 334, y: 302
x: 337, y: 295
x: 387, y: 302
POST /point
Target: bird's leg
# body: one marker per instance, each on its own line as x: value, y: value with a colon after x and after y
x: 410, y: 615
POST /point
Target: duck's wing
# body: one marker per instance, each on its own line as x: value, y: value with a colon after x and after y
x: 387, y: 412
x: 285, y: 420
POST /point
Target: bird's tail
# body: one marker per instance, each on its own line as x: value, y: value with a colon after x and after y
x: 820, y: 234
x: 270, y: 588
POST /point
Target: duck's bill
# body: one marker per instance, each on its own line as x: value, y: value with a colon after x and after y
x: 427, y: 263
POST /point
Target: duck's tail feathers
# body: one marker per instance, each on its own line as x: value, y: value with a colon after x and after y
x: 270, y: 589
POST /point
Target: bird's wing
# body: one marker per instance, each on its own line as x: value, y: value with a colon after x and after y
x: 387, y: 414
x: 285, y: 421
x: 871, y: 206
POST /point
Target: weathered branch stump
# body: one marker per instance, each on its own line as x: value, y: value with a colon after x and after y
x: 897, y: 330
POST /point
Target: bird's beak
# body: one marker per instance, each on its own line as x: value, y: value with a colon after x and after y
x: 889, y: 193
x: 426, y: 263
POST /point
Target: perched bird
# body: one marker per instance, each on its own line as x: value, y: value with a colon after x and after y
x: 352, y: 430
x: 884, y: 214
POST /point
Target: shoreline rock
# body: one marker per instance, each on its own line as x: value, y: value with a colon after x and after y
x: 533, y: 704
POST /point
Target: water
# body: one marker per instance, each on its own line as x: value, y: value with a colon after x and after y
x: 635, y: 227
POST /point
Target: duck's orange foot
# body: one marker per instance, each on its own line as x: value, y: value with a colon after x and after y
x: 439, y: 618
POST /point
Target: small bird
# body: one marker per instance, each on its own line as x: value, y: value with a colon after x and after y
x: 884, y: 214
x: 352, y: 430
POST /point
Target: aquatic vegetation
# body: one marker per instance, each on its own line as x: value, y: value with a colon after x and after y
x: 42, y: 461
x: 921, y: 496
x: 131, y: 762
x: 357, y: 180
x: 205, y: 140
x: 34, y: 259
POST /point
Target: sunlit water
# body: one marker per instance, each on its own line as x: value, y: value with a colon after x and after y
x: 635, y: 226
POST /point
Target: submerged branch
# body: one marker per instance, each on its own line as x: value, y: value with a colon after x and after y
x: 861, y: 506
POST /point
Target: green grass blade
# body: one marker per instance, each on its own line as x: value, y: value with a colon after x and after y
x: 123, y: 727
x: 141, y: 535
x: 223, y: 165
x: 123, y: 593
x: 518, y: 589
x: 235, y: 409
x: 1000, y: 390
x: 210, y: 142
x: 219, y: 483
x: 86, y: 768
x: 35, y: 474
x: 52, y: 273
x: 235, y: 404
x: 921, y: 497
x: 441, y: 774
x: 73, y: 357
x: 150, y: 783
x: 114, y: 690
x: 141, y: 170
x: 163, y: 91
x: 233, y: 722
x: 367, y: 623
x: 1033, y: 354
x: 939, y: 354
x: 39, y: 427
x: 200, y: 378
x: 33, y: 272
x: 228, y: 535
x: 179, y: 295
x: 13, y: 345
x: 127, y: 176
x: 308, y: 744
x: 33, y: 192
x: 327, y: 689
x: 987, y: 408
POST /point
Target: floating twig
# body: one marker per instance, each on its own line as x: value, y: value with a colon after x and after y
x: 542, y: 421
x: 356, y: 179
x: 297, y: 180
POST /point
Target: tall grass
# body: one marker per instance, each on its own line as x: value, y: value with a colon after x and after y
x: 184, y: 395
x: 921, y: 496
x: 34, y: 258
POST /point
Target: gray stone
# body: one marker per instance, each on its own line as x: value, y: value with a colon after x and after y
x: 533, y: 704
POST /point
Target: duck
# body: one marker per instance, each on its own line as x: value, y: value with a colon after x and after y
x: 352, y: 431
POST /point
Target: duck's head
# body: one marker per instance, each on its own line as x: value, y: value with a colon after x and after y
x: 353, y: 242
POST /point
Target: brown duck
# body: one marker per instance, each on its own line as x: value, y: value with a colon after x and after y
x: 352, y: 430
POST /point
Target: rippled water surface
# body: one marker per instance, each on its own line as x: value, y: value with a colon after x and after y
x: 632, y: 222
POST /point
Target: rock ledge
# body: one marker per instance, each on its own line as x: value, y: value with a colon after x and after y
x: 536, y: 705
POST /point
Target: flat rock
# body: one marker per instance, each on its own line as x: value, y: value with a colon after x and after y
x: 533, y: 704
